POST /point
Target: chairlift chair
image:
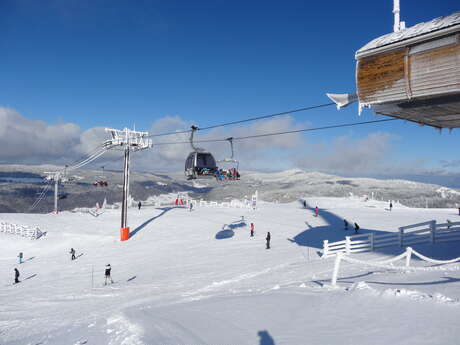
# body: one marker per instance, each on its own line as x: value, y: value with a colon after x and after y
x: 232, y: 173
x: 62, y: 196
x: 199, y: 164
x: 102, y: 182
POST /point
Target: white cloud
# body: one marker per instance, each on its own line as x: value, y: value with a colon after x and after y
x: 30, y: 142
x: 348, y: 155
x: 252, y: 154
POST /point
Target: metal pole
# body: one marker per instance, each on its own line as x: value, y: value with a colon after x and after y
x: 56, y: 184
x: 124, y: 205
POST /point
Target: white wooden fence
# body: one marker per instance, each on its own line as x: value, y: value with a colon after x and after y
x: 33, y: 233
x: 426, y: 232
x: 388, y: 263
x: 225, y: 204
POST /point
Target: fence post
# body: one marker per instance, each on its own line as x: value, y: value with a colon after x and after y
x: 325, y: 248
x: 433, y: 231
x: 335, y: 273
x: 371, y: 239
x: 408, y: 256
x: 401, y: 237
x: 347, y: 244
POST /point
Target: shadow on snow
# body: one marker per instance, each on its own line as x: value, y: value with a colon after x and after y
x: 223, y: 234
x: 147, y: 222
x: 334, y: 231
x: 265, y: 338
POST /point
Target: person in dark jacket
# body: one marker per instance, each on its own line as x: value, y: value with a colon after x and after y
x: 268, y: 240
x: 252, y: 229
x: 108, y: 269
x: 139, y: 205
x: 20, y: 256
x: 345, y: 222
x: 391, y: 205
x: 16, y: 276
x: 72, y: 252
x: 356, y: 228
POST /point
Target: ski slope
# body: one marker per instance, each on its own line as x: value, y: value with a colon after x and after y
x: 198, y: 278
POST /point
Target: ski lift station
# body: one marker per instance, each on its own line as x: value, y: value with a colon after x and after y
x: 412, y: 73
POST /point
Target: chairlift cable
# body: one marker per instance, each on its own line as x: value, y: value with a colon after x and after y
x: 91, y: 152
x: 41, y: 196
x: 256, y: 118
x: 278, y: 133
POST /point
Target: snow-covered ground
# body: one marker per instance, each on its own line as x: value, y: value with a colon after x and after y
x: 198, y: 278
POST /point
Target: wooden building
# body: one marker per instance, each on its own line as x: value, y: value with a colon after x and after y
x: 414, y: 73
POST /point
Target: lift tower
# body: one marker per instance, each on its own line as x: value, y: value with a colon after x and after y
x: 126, y: 140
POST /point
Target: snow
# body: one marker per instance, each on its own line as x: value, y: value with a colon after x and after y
x: 414, y: 31
x: 178, y: 282
x: 447, y: 192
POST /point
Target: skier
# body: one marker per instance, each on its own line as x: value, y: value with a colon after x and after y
x: 268, y: 240
x: 449, y: 224
x: 16, y: 276
x: 108, y: 268
x: 356, y: 228
x: 20, y: 256
x: 316, y: 211
x: 305, y: 204
x: 391, y: 206
x: 191, y: 206
x: 72, y: 252
x: 139, y: 205
x: 345, y: 223
x: 252, y: 229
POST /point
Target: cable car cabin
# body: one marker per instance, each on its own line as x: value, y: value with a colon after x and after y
x: 200, y: 165
x: 414, y: 74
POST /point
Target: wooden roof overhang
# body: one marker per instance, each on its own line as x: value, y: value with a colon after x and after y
x: 414, y: 74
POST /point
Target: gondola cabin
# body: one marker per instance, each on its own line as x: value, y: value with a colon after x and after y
x: 200, y: 165
x: 414, y: 73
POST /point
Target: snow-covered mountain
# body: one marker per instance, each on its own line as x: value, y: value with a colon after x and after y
x: 20, y: 185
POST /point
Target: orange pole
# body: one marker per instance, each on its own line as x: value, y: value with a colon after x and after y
x: 124, y: 234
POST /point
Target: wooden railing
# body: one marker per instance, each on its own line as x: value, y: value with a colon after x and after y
x: 426, y: 232
x: 21, y: 230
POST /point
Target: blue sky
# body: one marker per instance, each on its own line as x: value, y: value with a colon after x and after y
x: 118, y: 63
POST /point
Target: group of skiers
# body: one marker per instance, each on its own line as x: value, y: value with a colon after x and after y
x: 346, y: 225
x: 108, y: 268
x: 267, y: 238
x: 16, y: 271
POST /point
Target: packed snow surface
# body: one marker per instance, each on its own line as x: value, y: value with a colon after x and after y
x: 199, y: 278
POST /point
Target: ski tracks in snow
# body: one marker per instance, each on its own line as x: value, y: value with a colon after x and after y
x: 122, y: 331
x: 413, y: 295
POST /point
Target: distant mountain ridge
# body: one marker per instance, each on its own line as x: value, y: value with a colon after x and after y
x: 20, y: 185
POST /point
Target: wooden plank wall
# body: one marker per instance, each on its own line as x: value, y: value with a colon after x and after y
x: 400, y: 76
x: 435, y: 71
x: 381, y: 77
